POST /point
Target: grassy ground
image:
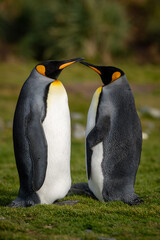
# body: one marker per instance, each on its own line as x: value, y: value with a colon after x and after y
x: 88, y: 219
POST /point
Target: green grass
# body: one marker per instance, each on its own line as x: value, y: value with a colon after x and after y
x: 88, y: 219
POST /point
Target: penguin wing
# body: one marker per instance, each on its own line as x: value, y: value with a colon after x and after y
x: 38, y: 150
x: 97, y: 135
x: 99, y: 132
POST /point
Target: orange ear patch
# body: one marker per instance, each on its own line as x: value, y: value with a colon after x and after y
x: 41, y: 69
x: 115, y: 75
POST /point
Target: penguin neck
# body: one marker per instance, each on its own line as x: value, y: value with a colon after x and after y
x: 118, y: 83
x: 36, y: 75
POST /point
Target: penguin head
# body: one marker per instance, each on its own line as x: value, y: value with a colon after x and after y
x: 52, y: 68
x: 108, y: 74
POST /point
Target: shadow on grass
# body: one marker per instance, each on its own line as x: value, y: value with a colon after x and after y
x: 81, y: 189
x: 6, y: 197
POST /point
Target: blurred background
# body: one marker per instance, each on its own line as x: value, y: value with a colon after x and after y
x: 101, y: 30
x: 123, y: 33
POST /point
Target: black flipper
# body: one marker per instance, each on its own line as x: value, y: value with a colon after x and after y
x: 38, y: 150
x: 97, y: 135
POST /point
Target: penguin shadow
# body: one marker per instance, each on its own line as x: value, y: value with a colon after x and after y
x: 77, y: 189
x: 81, y: 189
x: 6, y: 197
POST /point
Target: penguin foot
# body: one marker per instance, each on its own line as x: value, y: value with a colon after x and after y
x: 30, y: 203
x: 81, y: 189
x: 19, y: 202
x: 134, y: 200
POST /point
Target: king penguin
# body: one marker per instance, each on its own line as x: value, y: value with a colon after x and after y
x: 42, y: 136
x: 113, y: 138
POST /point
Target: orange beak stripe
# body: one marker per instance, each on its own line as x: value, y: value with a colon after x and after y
x: 95, y: 69
x: 65, y: 65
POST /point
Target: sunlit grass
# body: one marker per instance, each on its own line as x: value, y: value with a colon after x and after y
x: 88, y: 219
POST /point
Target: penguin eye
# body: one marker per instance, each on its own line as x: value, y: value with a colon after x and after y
x: 41, y: 69
x: 115, y: 75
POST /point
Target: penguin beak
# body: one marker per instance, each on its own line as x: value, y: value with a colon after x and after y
x: 66, y: 63
x: 95, y: 68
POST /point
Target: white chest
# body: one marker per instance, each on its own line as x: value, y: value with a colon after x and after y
x: 58, y: 135
x: 96, y: 180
